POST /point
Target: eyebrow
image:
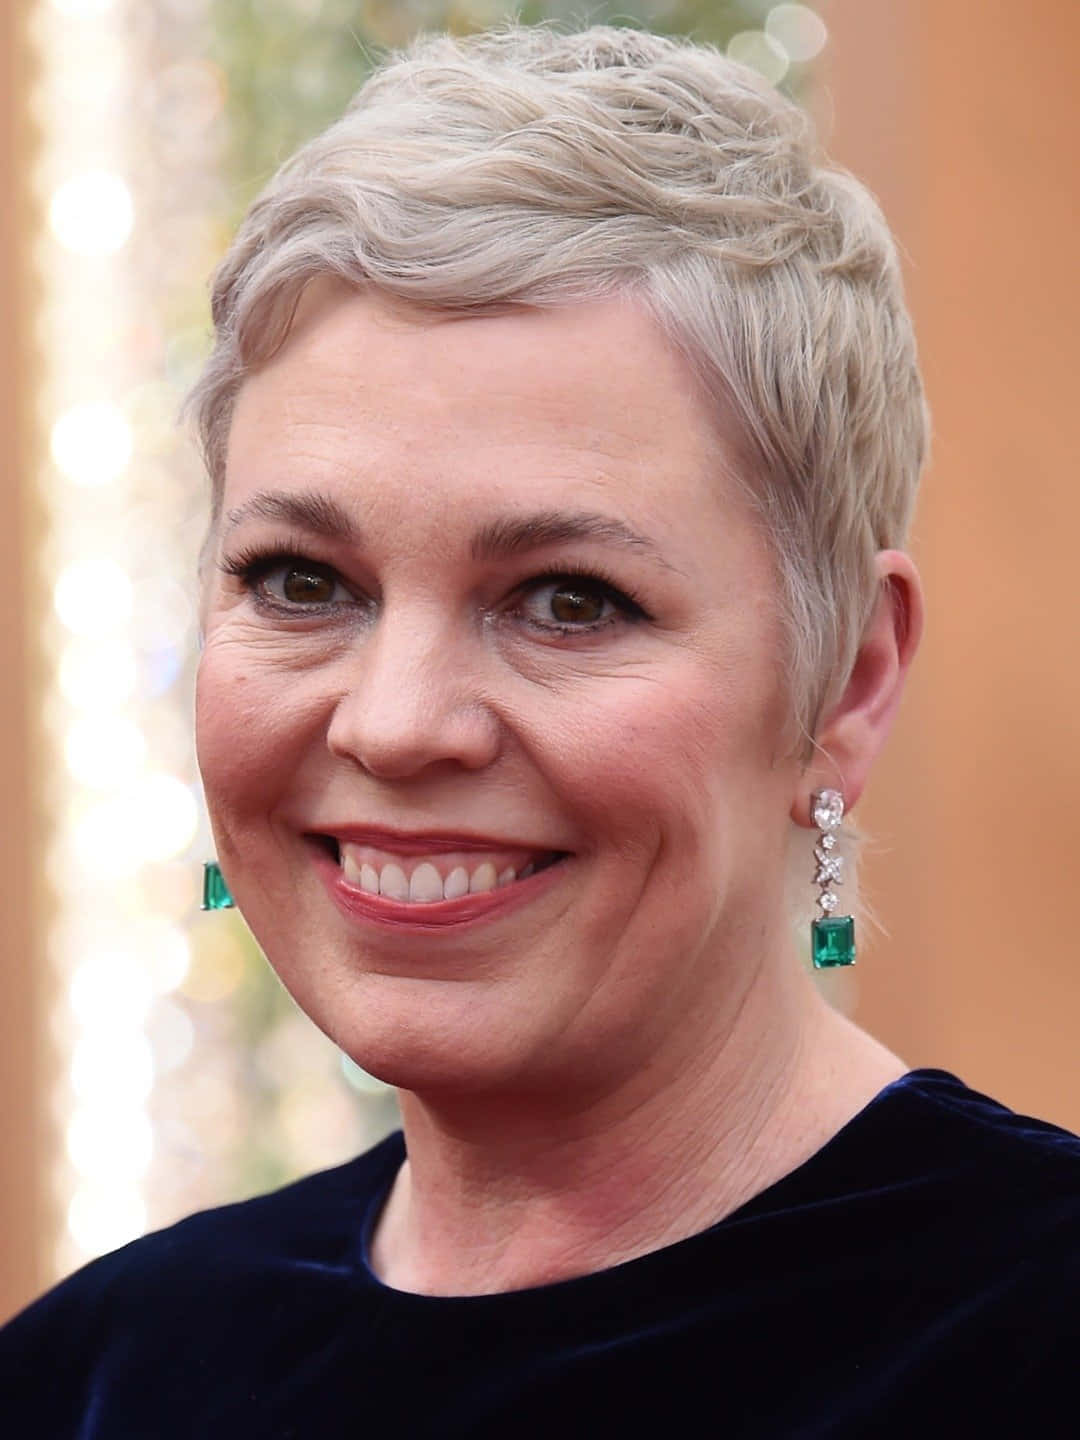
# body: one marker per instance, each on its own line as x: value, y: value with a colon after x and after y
x: 317, y: 513
x: 320, y: 514
x: 519, y: 534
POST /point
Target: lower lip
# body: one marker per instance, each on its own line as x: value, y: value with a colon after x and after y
x: 423, y: 919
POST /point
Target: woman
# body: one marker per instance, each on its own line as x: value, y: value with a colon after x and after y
x: 563, y: 426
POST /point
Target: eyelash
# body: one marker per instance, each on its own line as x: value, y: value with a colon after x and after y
x: 625, y: 602
x: 253, y: 565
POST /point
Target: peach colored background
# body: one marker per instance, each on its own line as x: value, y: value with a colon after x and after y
x: 25, y: 1219
x: 964, y: 116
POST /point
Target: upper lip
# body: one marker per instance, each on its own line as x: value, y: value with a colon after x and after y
x: 424, y: 842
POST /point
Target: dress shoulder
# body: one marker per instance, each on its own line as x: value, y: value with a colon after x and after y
x: 154, y: 1291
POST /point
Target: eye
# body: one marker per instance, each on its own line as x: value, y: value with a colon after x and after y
x: 287, y: 581
x: 569, y: 603
x: 577, y: 604
x: 302, y: 584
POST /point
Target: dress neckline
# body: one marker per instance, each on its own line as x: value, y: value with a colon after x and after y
x: 798, y: 1184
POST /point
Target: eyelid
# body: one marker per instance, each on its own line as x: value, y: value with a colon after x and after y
x: 617, y: 592
x: 253, y: 564
x: 626, y: 608
x: 252, y: 559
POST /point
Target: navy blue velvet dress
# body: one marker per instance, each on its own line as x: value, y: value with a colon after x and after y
x: 918, y: 1276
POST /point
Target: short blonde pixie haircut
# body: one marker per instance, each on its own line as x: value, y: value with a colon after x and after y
x: 527, y: 166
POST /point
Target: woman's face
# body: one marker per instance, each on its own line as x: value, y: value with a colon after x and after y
x: 483, y: 600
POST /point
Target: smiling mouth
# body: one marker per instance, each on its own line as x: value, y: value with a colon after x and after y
x: 433, y: 879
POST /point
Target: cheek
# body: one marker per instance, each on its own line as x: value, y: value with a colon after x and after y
x: 676, y: 774
x: 645, y: 758
x: 250, y: 725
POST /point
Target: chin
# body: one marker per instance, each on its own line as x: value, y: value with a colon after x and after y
x: 433, y: 1036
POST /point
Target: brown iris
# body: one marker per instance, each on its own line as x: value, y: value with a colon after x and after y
x: 307, y: 587
x: 574, y: 605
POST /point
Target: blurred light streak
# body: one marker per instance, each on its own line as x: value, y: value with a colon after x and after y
x: 126, y: 123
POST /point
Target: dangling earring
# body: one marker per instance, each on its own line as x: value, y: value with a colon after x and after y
x: 832, y: 938
x: 215, y: 893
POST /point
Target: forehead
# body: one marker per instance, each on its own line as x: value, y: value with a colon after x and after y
x: 588, y: 400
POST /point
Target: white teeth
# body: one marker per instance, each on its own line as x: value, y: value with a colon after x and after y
x: 392, y: 883
x: 456, y: 883
x: 425, y: 883
x: 483, y: 878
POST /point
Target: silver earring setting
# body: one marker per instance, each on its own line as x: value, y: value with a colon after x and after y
x: 832, y: 937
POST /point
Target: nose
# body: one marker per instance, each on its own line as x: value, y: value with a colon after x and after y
x: 410, y: 699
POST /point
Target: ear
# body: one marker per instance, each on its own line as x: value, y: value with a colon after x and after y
x: 855, y: 728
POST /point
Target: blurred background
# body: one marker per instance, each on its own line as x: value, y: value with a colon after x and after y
x: 149, y: 1063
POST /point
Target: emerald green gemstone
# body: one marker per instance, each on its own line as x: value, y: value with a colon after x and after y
x: 833, y: 941
x: 215, y: 893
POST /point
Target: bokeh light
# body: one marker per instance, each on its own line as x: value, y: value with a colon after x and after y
x: 218, y: 961
x: 760, y: 52
x: 189, y: 97
x: 172, y: 1035
x: 104, y: 750
x: 92, y: 443
x: 114, y: 1067
x: 154, y: 818
x: 97, y: 673
x: 92, y: 213
x: 166, y: 953
x: 110, y: 990
x: 166, y: 816
x: 164, y: 614
x: 102, y: 1217
x: 110, y: 1149
x: 80, y: 8
x: 93, y: 596
x: 799, y: 31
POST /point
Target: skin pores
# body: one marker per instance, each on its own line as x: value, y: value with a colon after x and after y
x: 605, y: 684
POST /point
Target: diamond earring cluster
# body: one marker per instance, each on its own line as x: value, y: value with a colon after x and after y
x: 832, y: 937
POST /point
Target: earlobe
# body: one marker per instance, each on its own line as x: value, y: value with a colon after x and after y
x: 856, y: 727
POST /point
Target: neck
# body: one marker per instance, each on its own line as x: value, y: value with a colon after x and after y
x: 499, y: 1195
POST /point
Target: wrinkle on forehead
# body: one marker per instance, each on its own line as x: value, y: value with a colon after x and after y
x: 471, y: 349
x: 585, y: 408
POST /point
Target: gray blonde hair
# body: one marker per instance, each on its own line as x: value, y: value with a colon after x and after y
x: 534, y: 167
